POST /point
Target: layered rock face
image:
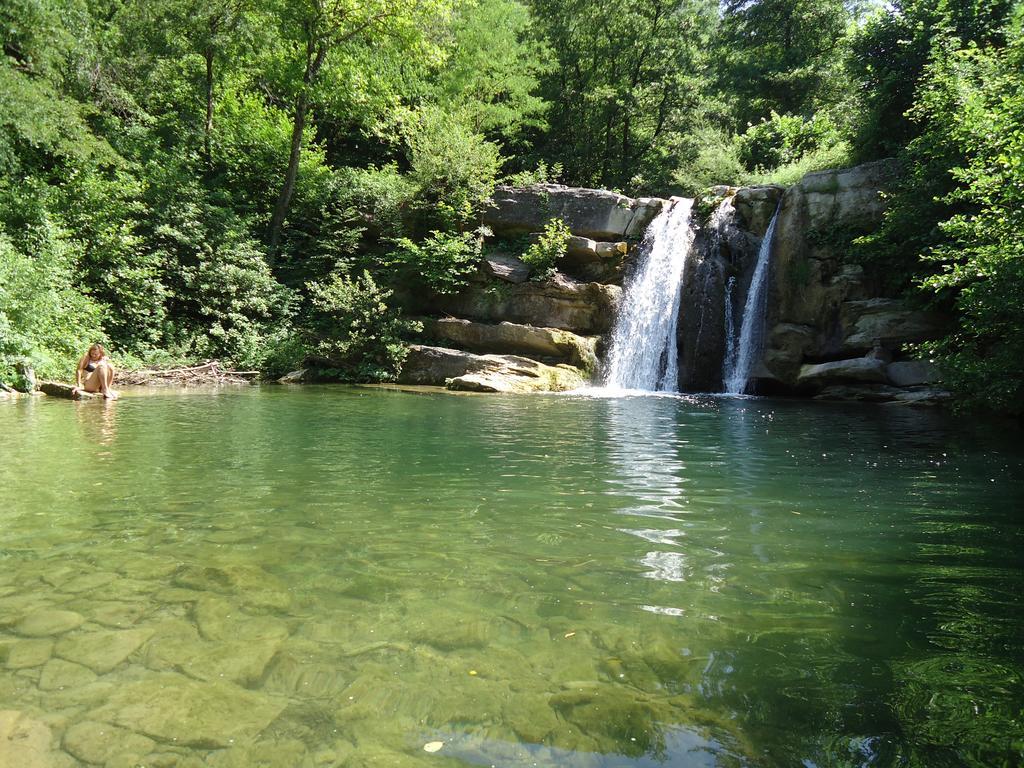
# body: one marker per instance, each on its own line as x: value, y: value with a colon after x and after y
x: 828, y: 331
x: 590, y: 213
x: 507, y: 332
x: 727, y: 245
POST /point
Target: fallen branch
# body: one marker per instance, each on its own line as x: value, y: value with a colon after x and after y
x: 206, y: 373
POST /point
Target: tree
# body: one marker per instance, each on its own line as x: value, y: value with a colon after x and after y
x: 492, y: 70
x: 779, y: 56
x: 312, y: 30
x: 975, y: 98
x: 628, y: 82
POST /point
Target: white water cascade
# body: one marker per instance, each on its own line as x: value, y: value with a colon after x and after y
x: 729, y: 361
x: 644, y: 354
x: 747, y: 350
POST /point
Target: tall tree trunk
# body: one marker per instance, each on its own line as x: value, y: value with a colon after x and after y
x: 208, y: 129
x: 283, y: 199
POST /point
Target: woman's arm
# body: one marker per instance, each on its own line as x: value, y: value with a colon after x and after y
x: 78, y: 371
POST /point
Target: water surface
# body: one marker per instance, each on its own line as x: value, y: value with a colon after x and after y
x: 332, y: 576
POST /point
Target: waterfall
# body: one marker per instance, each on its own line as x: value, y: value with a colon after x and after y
x: 729, y: 361
x: 751, y: 338
x: 644, y: 354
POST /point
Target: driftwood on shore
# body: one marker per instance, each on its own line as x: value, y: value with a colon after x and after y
x: 56, y: 389
x: 207, y: 373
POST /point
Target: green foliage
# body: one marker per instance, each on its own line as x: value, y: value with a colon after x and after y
x: 707, y: 158
x: 45, y: 320
x: 541, y: 174
x: 784, y: 139
x: 442, y: 262
x: 541, y: 256
x: 976, y: 97
x: 627, y: 85
x: 834, y: 156
x: 453, y: 167
x: 888, y: 55
x: 490, y: 75
x: 351, y: 330
x: 780, y: 56
x: 380, y: 198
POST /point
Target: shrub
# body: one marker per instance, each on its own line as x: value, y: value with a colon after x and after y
x: 379, y: 197
x: 542, y: 174
x: 784, y: 139
x: 45, y: 320
x: 541, y: 256
x: 453, y: 167
x: 711, y: 159
x: 834, y: 156
x: 352, y: 331
x: 443, y: 262
x: 234, y: 300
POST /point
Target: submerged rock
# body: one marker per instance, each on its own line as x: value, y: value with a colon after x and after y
x: 171, y: 708
x: 465, y: 371
x: 46, y: 623
x: 25, y: 742
x: 101, y: 743
x: 25, y: 654
x: 102, y: 651
x: 59, y: 674
x: 253, y: 586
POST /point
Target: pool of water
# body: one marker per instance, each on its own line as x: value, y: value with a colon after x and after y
x: 334, y: 576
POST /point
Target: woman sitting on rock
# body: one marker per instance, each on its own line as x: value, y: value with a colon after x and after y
x: 95, y: 372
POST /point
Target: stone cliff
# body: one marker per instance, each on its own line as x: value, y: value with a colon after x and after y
x: 830, y: 331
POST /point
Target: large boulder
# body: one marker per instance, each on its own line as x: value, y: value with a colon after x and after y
x: 596, y: 261
x: 584, y: 308
x: 505, y: 267
x: 594, y: 213
x: 888, y: 322
x: 814, y: 284
x: 850, y: 196
x: 550, y: 345
x: 857, y: 369
x: 756, y: 206
x: 912, y: 373
x: 465, y: 371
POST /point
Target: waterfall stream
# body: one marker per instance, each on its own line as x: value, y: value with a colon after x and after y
x: 747, y: 350
x: 644, y: 353
x: 729, y: 361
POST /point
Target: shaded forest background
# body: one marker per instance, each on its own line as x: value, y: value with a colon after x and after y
x: 264, y: 180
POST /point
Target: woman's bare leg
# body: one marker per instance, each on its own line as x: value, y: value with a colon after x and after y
x: 99, y: 380
x: 108, y: 380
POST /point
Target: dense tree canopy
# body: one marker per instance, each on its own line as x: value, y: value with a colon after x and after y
x: 232, y: 177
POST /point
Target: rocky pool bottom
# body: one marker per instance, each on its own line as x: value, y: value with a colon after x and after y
x: 332, y: 576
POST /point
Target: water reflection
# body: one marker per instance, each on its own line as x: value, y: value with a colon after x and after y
x: 97, y: 421
x: 649, y: 478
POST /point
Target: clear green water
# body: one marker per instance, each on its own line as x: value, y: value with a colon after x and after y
x: 330, y: 576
